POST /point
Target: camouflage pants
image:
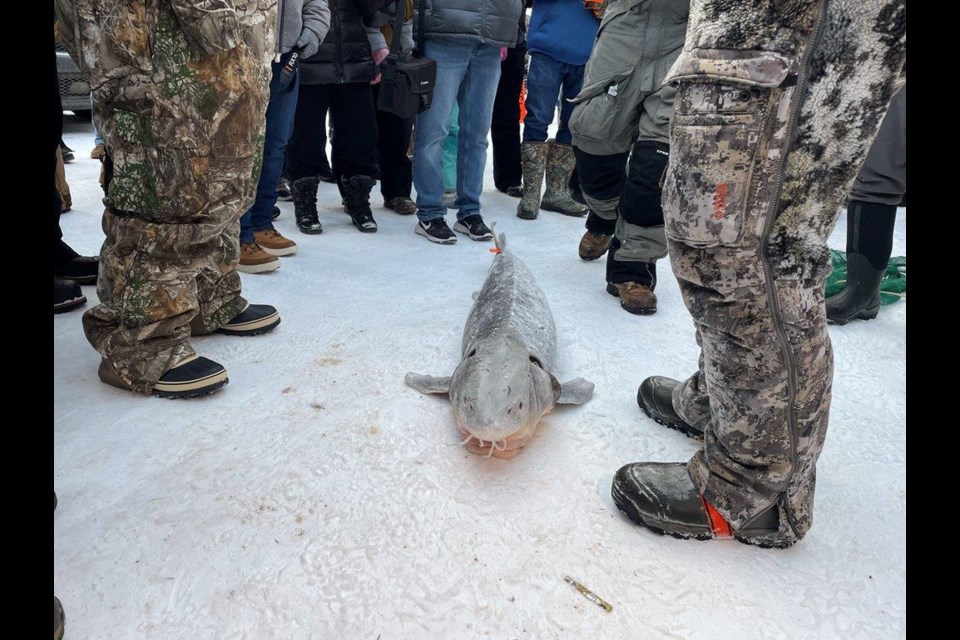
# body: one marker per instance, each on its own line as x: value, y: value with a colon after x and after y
x: 764, y: 147
x: 180, y: 92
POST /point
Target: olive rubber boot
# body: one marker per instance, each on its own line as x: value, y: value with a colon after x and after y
x: 533, y: 159
x: 556, y: 197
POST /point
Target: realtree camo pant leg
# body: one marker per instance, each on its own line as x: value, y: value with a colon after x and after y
x: 182, y: 117
x: 761, y: 160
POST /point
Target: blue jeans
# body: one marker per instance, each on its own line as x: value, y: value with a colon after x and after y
x: 97, y: 138
x: 545, y: 79
x: 280, y: 112
x: 468, y: 73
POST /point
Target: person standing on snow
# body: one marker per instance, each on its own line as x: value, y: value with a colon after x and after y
x: 621, y: 133
x: 464, y: 37
x: 559, y: 40
x: 180, y: 89
x: 338, y: 77
x: 776, y: 107
x: 303, y: 25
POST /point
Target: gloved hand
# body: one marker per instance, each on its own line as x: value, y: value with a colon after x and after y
x: 503, y: 54
x: 310, y: 43
x: 379, y: 55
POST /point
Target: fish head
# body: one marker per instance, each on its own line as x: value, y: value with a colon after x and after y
x: 499, y: 396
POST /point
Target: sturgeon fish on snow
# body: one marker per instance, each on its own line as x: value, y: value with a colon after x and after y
x: 504, y: 383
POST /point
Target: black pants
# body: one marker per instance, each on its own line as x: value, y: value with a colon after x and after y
x: 639, y: 187
x: 505, y: 128
x: 396, y: 173
x: 354, y: 121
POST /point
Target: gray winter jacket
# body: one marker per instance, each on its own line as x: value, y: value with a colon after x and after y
x: 492, y: 22
x: 636, y: 45
x: 294, y: 16
x: 385, y: 17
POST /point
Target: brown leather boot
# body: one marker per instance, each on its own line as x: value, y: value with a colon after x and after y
x: 273, y: 242
x: 253, y: 259
x: 634, y: 297
x: 593, y: 245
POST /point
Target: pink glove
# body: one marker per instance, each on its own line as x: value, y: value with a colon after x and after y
x: 503, y: 54
x: 379, y: 56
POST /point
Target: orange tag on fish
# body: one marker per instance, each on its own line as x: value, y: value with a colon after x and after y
x: 495, y: 250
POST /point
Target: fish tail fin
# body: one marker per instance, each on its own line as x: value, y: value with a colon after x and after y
x: 499, y: 240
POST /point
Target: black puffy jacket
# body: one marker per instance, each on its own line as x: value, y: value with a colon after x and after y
x: 493, y: 22
x: 344, y: 55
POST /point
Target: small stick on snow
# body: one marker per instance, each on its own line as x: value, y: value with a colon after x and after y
x: 590, y: 595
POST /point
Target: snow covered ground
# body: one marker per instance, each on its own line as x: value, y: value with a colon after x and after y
x: 318, y: 497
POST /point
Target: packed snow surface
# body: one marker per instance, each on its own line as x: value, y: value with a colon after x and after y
x: 319, y: 497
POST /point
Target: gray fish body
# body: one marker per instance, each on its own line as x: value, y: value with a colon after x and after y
x: 511, y: 307
x: 503, y: 385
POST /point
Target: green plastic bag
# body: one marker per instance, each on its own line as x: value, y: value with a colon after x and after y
x: 893, y: 287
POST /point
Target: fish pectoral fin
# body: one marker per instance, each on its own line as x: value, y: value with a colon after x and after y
x: 429, y: 384
x: 476, y: 294
x: 576, y: 391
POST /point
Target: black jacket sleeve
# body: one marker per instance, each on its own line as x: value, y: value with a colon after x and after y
x: 367, y: 8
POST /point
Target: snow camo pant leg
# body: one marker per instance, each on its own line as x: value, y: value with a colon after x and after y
x: 690, y: 399
x: 776, y: 108
x: 181, y: 88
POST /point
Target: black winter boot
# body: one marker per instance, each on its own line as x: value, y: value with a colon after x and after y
x: 304, y: 193
x: 869, y: 244
x: 356, y: 201
x: 66, y: 295
x: 655, y: 397
x: 662, y: 497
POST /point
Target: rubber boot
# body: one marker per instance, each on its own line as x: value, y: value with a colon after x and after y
x: 869, y: 244
x: 533, y: 159
x: 556, y: 196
